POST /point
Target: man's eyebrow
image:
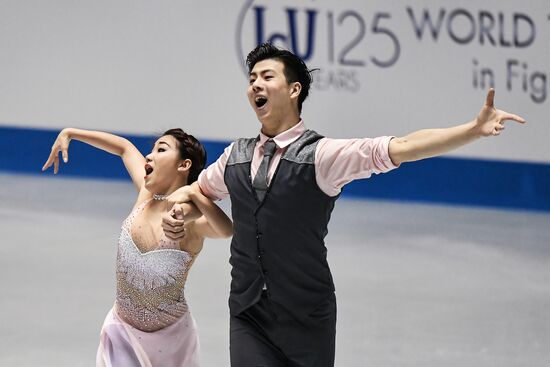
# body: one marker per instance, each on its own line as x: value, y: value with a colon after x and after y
x: 253, y: 73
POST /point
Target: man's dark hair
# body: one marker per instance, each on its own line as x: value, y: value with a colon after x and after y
x: 190, y: 148
x: 295, y: 69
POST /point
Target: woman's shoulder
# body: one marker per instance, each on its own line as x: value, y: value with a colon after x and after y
x: 143, y: 197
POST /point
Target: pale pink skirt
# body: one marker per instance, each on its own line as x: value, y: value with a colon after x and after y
x: 122, y: 345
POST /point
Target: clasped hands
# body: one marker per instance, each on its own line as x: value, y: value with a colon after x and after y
x: 173, y: 222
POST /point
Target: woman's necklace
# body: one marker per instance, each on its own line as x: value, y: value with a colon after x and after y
x: 159, y: 197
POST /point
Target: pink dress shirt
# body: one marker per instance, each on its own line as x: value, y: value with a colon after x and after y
x: 337, y: 161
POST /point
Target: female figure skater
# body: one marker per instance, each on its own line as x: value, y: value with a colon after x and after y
x: 150, y: 323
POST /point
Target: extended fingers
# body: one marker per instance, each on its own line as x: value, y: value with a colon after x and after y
x: 510, y: 116
x: 55, y: 165
x: 489, y: 101
x: 65, y: 154
x: 494, y: 119
x: 53, y: 158
x: 49, y: 162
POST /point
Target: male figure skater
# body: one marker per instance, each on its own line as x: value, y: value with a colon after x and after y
x: 283, y: 185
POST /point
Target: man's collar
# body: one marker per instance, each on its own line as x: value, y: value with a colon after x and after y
x: 287, y: 137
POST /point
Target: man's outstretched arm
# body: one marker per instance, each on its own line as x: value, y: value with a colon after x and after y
x: 433, y: 142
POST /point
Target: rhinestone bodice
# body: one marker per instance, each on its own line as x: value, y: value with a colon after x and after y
x: 150, y: 285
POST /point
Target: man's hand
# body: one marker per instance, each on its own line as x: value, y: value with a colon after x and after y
x: 173, y: 223
x: 490, y: 121
x: 428, y: 143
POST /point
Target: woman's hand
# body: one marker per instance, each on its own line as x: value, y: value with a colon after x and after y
x: 61, y: 144
x: 181, y: 195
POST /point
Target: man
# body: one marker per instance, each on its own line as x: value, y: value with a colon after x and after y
x: 283, y: 185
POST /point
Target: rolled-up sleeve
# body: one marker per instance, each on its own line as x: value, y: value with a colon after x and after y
x: 211, y: 180
x: 340, y: 161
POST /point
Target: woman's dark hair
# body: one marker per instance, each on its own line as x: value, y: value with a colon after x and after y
x: 295, y: 69
x: 190, y: 148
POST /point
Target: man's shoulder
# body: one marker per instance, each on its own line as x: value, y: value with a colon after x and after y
x: 309, y: 137
x: 303, y: 150
x: 244, y: 140
x: 244, y: 143
x: 242, y: 150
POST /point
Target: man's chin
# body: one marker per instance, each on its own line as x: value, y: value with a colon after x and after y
x: 262, y: 115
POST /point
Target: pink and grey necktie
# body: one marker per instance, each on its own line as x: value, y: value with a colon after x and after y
x: 260, y: 180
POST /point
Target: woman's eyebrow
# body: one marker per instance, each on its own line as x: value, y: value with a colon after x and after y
x: 163, y: 142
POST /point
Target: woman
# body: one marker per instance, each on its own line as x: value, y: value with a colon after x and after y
x: 150, y: 323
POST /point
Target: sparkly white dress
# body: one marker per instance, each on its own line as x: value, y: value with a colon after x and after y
x: 150, y: 324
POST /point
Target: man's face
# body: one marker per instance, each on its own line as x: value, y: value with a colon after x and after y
x: 269, y: 93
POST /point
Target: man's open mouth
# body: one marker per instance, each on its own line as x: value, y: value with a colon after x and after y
x: 260, y: 101
x: 148, y: 169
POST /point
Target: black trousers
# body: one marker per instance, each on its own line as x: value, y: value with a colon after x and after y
x: 267, y: 335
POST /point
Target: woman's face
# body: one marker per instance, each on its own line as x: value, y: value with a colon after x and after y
x: 164, y: 165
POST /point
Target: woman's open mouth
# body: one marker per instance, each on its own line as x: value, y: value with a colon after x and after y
x: 148, y: 169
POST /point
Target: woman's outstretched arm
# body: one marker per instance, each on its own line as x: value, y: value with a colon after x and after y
x: 133, y: 160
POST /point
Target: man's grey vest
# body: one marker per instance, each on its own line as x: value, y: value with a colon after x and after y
x: 279, y: 242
